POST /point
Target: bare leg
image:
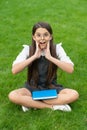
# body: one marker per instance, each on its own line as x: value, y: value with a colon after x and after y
x: 64, y: 97
x: 23, y: 97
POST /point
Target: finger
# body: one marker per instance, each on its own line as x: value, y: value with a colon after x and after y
x: 48, y: 45
x: 36, y: 45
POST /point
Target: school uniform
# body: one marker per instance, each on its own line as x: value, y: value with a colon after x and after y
x: 43, y: 67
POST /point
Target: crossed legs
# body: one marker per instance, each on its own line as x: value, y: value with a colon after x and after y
x: 23, y: 97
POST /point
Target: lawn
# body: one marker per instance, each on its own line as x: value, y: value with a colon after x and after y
x: 68, y: 19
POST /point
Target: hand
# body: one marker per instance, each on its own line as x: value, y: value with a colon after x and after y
x: 38, y: 51
x: 47, y: 51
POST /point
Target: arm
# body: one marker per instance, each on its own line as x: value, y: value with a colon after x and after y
x: 19, y: 66
x: 16, y: 68
x: 65, y: 66
x: 68, y: 67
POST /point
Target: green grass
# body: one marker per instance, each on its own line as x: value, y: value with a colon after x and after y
x: 69, y: 22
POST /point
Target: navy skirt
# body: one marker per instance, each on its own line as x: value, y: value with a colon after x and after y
x: 58, y: 87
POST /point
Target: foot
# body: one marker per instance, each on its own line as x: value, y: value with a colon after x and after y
x: 25, y: 108
x: 65, y: 108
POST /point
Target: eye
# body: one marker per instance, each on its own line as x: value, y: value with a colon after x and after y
x: 46, y: 35
x: 38, y: 35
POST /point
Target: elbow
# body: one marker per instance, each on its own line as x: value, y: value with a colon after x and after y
x: 13, y: 71
x: 71, y: 70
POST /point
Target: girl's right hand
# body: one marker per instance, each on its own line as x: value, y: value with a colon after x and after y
x: 38, y: 51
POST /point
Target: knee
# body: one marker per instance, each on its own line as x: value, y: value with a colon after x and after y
x: 75, y: 95
x: 11, y: 96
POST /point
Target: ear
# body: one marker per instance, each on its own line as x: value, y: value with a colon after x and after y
x: 51, y: 37
x: 33, y: 37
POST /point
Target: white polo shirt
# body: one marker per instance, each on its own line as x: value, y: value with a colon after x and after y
x: 61, y: 54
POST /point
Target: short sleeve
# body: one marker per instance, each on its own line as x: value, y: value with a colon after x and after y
x: 61, y: 54
x: 23, y: 55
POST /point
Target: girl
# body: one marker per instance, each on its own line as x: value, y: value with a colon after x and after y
x: 42, y: 59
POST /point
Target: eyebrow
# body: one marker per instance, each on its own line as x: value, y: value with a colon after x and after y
x: 43, y: 33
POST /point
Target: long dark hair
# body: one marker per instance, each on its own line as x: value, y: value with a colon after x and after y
x: 32, y: 68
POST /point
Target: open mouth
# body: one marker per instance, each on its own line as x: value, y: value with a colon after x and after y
x: 42, y: 45
x: 42, y: 42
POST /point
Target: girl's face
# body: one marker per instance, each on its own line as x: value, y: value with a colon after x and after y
x: 42, y: 37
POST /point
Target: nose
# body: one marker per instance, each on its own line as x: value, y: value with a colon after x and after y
x: 42, y: 37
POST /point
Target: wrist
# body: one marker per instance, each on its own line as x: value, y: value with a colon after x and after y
x: 34, y: 57
x: 51, y: 58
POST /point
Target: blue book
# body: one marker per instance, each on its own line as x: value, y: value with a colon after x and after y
x: 44, y: 94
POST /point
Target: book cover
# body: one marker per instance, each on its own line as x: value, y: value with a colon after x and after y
x: 44, y: 94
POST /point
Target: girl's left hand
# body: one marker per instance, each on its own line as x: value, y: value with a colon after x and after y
x: 47, y: 51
